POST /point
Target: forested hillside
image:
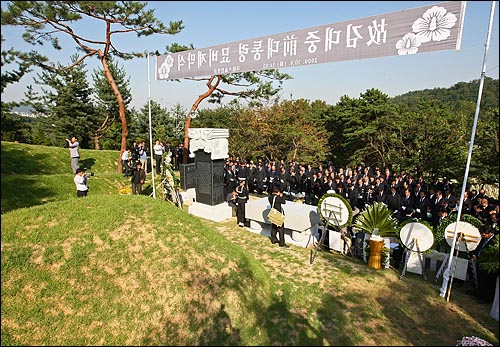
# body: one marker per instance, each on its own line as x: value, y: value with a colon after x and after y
x: 458, y: 93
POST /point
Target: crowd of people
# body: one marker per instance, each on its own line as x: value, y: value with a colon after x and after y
x: 140, y: 152
x: 405, y: 195
x: 135, y: 161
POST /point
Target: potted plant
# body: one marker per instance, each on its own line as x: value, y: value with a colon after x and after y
x: 379, y: 216
x: 377, y: 221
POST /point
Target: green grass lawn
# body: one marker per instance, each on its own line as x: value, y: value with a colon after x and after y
x: 115, y: 269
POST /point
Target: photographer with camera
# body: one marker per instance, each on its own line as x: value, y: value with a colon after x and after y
x: 81, y: 179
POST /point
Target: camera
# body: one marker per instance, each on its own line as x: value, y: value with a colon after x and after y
x: 85, y: 173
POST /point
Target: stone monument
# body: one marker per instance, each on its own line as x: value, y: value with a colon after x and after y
x: 209, y: 147
x: 188, y: 175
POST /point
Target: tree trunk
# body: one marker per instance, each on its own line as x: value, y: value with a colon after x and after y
x: 211, y: 89
x: 101, y: 130
x: 121, y: 108
x: 97, y: 146
x: 295, y: 150
x: 185, y: 150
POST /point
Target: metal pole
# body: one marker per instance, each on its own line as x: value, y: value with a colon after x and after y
x: 444, y: 291
x: 151, y: 133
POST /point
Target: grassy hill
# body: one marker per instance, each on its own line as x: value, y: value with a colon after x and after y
x: 113, y: 269
x: 33, y: 175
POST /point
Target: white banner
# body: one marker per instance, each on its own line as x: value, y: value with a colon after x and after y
x: 419, y: 30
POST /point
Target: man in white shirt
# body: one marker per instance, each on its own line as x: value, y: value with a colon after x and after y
x: 125, y: 159
x: 80, y: 180
x: 74, y: 145
x: 158, y: 150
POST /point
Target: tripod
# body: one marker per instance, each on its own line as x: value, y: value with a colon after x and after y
x: 462, y: 239
x: 332, y: 210
x: 414, y: 242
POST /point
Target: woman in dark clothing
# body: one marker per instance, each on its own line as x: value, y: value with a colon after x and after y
x: 276, y: 199
x: 242, y: 192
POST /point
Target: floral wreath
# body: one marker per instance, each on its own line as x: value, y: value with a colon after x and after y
x: 346, y: 203
x: 171, y: 182
x: 467, y: 218
x: 415, y: 220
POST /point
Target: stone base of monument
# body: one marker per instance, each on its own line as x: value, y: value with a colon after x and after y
x: 188, y: 196
x: 301, y: 220
x: 216, y: 213
x: 292, y: 237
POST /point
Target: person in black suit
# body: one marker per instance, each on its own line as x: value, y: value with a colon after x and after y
x: 242, y: 191
x: 243, y: 172
x: 276, y: 199
x: 467, y: 204
x: 436, y: 207
x: 421, y: 206
x: 342, y: 191
x: 486, y: 281
x: 450, y: 199
x: 230, y: 179
x: 380, y: 195
x: 474, y: 198
x: 179, y: 154
x: 393, y: 200
x: 261, y: 178
x: 407, y: 202
x: 272, y: 174
x: 252, y: 177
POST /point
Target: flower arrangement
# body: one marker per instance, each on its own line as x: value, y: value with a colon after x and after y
x: 414, y: 220
x: 439, y: 234
x: 170, y: 182
x: 346, y: 203
x: 472, y: 341
x: 377, y: 216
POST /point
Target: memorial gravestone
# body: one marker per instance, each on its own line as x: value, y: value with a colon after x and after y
x: 209, y: 179
x: 188, y: 175
x: 209, y: 147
